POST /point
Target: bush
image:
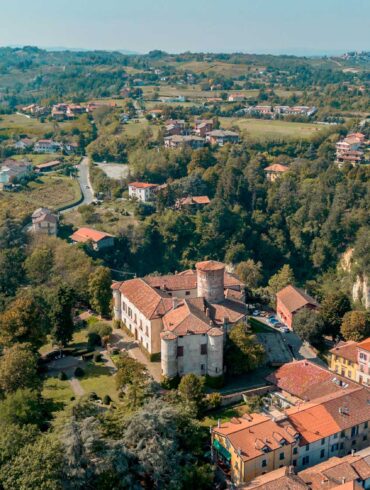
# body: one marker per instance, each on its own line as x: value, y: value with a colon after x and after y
x: 115, y: 352
x: 170, y: 383
x: 214, y: 400
x: 93, y: 339
x: 117, y: 324
x: 93, y: 396
x: 79, y: 372
x: 215, y: 382
x: 97, y: 357
x: 62, y: 376
x: 107, y: 400
x: 100, y: 328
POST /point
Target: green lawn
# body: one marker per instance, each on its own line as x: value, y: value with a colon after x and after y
x: 257, y: 129
x: 98, y: 378
x: 36, y: 159
x: 58, y: 391
x: 133, y: 129
x: 15, y: 124
x: 52, y: 191
x: 224, y: 414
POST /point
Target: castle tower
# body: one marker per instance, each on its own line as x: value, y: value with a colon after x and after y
x: 117, y: 301
x: 169, y: 354
x: 215, y: 351
x: 210, y: 280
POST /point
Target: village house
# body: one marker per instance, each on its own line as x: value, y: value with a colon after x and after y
x: 237, y: 97
x: 192, y: 202
x: 343, y: 359
x: 47, y: 166
x: 23, y: 144
x: 275, y: 171
x: 263, y: 110
x: 351, y: 472
x: 35, y: 110
x: 203, y: 126
x: 182, y: 317
x: 47, y: 146
x: 350, y: 149
x: 221, y: 136
x: 44, y: 222
x: 142, y: 191
x: 302, y: 436
x: 13, y: 170
x: 289, y: 301
x: 98, y: 239
x: 155, y: 113
x: 174, y: 127
x: 352, y: 360
x: 71, y: 148
x: 178, y: 141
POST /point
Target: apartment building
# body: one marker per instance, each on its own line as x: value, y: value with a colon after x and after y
x: 352, y: 360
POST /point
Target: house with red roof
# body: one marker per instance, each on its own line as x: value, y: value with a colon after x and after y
x: 352, y: 360
x: 142, y: 191
x: 289, y: 301
x: 98, y: 239
x: 275, y: 171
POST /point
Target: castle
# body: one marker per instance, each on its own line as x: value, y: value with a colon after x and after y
x: 182, y: 317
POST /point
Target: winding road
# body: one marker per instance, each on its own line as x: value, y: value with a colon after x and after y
x: 85, y: 184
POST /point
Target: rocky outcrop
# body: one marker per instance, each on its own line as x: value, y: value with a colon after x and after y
x: 361, y: 290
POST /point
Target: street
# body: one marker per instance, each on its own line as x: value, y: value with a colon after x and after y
x: 85, y: 184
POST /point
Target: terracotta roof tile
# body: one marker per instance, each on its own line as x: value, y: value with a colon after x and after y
x: 276, y: 167
x: 346, y: 350
x: 85, y: 234
x: 308, y: 381
x: 365, y: 344
x: 142, y: 185
x: 150, y: 302
x: 294, y: 298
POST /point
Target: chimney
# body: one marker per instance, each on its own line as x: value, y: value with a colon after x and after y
x: 175, y: 303
x: 208, y: 313
x: 218, y: 423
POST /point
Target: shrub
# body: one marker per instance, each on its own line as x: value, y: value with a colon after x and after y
x: 215, y: 382
x: 93, y: 396
x: 170, y: 383
x: 117, y: 324
x: 93, y: 339
x: 62, y: 376
x: 107, y: 400
x: 97, y: 357
x: 100, y: 328
x: 214, y: 400
x: 79, y: 372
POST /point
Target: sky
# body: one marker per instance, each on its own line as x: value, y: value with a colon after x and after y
x: 252, y: 26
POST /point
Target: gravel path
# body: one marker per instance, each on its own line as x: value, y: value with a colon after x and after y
x: 76, y: 387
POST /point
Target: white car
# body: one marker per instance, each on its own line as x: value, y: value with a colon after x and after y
x: 284, y: 329
x: 256, y: 313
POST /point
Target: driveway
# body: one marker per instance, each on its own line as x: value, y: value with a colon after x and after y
x: 85, y: 184
x: 300, y: 350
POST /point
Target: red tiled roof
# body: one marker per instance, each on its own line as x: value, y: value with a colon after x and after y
x: 294, y: 299
x: 276, y: 167
x: 194, y: 200
x: 142, y: 185
x: 365, y: 344
x: 186, y: 280
x: 188, y: 317
x: 280, y: 479
x: 329, y: 415
x: 231, y: 310
x: 250, y: 441
x: 83, y: 235
x: 346, y: 350
x: 307, y: 380
x: 150, y: 302
x: 209, y: 265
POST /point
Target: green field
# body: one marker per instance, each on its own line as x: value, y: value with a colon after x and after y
x: 14, y: 125
x: 258, y: 129
x: 132, y: 129
x: 98, y: 378
x: 52, y: 191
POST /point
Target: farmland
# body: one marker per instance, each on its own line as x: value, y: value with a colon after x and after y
x: 258, y: 129
x: 54, y: 191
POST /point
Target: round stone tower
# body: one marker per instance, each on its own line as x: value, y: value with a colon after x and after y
x: 117, y: 303
x: 210, y: 280
x: 169, y: 354
x: 215, y: 351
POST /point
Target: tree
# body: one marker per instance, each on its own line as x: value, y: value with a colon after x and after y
x: 25, y: 320
x: 37, y: 466
x: 129, y: 372
x: 250, y: 272
x: 308, y: 326
x: 282, y: 278
x: 39, y: 265
x: 355, y: 326
x: 61, y: 315
x: 22, y: 407
x: 100, y: 282
x: 18, y: 368
x: 191, y: 391
x: 243, y: 353
x: 12, y: 438
x: 332, y: 309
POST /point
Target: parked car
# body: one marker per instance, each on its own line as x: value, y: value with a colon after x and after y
x: 256, y: 313
x: 284, y: 329
x: 273, y: 321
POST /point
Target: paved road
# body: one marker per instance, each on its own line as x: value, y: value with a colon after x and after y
x: 300, y: 350
x: 85, y: 184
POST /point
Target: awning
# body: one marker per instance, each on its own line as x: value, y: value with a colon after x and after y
x: 220, y: 449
